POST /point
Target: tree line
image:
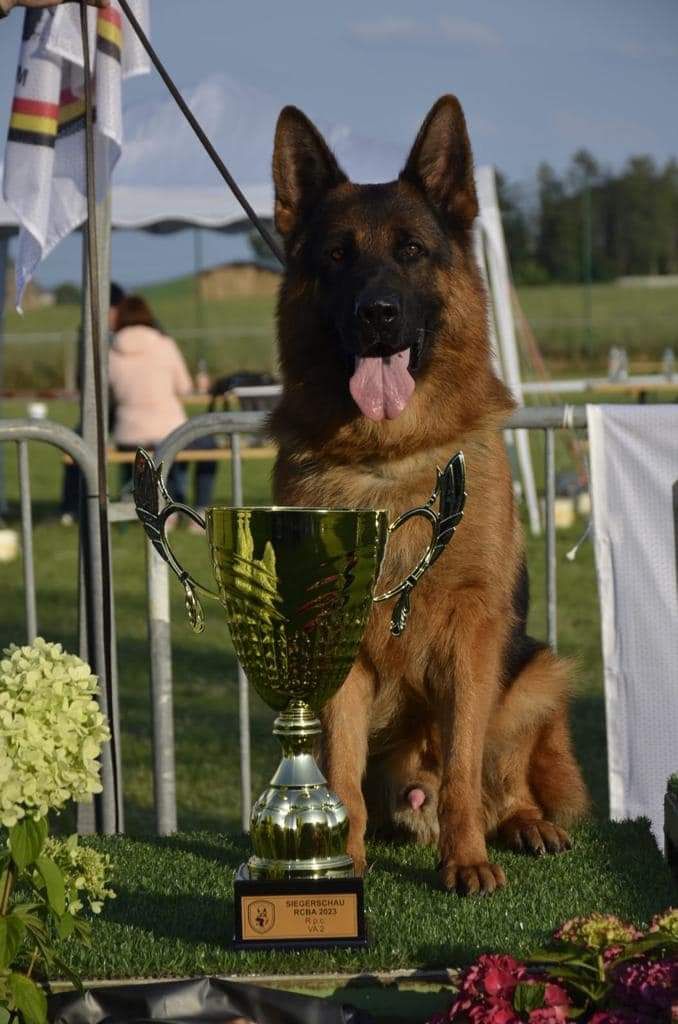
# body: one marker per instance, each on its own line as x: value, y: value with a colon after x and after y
x: 591, y: 224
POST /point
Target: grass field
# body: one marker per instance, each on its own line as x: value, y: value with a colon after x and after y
x: 173, y: 914
x: 238, y: 332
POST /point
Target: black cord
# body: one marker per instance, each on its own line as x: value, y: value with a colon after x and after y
x: 216, y: 159
x: 102, y: 486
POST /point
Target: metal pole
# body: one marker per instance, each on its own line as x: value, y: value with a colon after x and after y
x: 164, y: 773
x: 27, y: 542
x: 4, y: 264
x: 105, y: 805
x: 675, y: 524
x: 550, y: 474
x: 199, y: 304
x: 588, y: 295
x: 243, y: 685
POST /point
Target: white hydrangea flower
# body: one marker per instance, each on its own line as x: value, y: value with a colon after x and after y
x: 51, y: 731
x: 86, y: 873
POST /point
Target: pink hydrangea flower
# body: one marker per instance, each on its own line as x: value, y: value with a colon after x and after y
x: 614, y: 1017
x: 555, y: 1008
x: 597, y: 931
x: 622, y: 1016
x: 548, y: 1015
x: 648, y: 985
x: 492, y: 976
x: 667, y: 921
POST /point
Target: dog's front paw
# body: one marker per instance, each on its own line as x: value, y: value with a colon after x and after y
x: 358, y: 854
x: 472, y: 879
x: 537, y: 836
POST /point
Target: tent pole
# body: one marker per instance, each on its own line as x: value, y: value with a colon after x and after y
x: 497, y: 262
x: 4, y: 264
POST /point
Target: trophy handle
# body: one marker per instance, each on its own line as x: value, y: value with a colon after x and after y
x: 451, y: 496
x: 148, y: 485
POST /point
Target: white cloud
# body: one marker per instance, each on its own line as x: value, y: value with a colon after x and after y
x: 473, y: 33
x: 388, y: 29
x: 638, y: 50
x: 445, y: 29
x: 591, y: 131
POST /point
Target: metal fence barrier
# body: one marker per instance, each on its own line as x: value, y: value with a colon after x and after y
x: 234, y: 425
x: 90, y: 610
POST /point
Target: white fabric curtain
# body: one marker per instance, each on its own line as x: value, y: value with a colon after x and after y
x: 634, y: 466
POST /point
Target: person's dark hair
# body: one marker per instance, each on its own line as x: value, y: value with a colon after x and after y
x: 117, y: 295
x: 133, y: 311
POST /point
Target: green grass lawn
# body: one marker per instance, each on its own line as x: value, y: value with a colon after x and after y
x: 240, y: 330
x: 641, y: 320
x: 173, y: 914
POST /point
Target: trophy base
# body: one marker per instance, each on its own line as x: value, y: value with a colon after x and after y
x: 309, y: 913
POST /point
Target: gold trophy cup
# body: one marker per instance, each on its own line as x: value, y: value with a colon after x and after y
x: 297, y: 586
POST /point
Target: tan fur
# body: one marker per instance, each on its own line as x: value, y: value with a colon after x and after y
x: 430, y: 707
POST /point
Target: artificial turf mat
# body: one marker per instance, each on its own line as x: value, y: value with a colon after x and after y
x: 173, y: 912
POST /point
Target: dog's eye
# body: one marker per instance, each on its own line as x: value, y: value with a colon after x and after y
x: 411, y: 250
x: 338, y: 254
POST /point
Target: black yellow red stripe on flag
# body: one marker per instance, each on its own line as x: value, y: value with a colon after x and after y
x: 33, y: 121
x: 71, y: 112
x: 109, y: 33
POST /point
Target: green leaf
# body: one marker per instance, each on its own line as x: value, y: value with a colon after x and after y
x: 54, y: 881
x: 26, y: 840
x: 5, y: 1015
x: 528, y: 996
x: 83, y: 932
x: 65, y: 925
x: 564, y: 953
x: 25, y: 909
x: 12, y: 931
x: 28, y: 999
x: 35, y: 927
x: 68, y: 972
x: 655, y: 940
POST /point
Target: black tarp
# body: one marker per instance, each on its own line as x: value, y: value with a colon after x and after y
x: 198, y: 1001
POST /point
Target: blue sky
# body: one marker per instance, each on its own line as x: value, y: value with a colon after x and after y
x: 538, y: 80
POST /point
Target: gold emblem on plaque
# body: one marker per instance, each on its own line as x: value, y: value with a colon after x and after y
x: 261, y: 916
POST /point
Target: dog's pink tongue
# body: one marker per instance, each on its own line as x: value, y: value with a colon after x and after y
x: 382, y: 386
x: 416, y: 797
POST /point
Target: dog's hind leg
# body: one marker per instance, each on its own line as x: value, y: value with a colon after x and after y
x: 554, y: 775
x: 401, y: 788
x: 344, y: 754
x: 533, y: 783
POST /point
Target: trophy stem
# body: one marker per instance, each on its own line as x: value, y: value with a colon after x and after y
x: 298, y: 827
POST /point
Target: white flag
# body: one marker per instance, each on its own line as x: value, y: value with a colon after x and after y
x: 44, y: 175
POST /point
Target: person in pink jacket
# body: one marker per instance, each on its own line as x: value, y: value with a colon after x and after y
x: 148, y: 378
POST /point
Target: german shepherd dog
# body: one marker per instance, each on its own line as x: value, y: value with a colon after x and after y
x: 457, y: 730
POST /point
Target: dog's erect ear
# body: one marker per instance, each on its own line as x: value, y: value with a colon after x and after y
x: 441, y: 162
x: 303, y: 168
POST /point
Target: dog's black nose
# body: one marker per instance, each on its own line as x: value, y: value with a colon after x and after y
x: 378, y: 312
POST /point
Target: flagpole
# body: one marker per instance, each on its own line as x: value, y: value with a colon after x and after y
x: 94, y: 392
x: 4, y: 261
